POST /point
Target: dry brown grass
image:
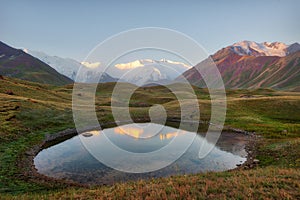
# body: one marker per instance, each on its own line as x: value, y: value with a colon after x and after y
x: 267, y: 183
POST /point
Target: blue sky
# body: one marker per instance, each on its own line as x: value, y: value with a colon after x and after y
x: 72, y: 28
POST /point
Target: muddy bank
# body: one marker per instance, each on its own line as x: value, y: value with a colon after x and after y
x: 251, y: 149
x: 26, y: 162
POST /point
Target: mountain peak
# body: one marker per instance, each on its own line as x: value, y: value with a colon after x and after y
x: 91, y: 65
x: 264, y: 49
x: 149, y: 62
x: 293, y: 48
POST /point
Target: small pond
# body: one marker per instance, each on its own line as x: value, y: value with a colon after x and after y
x: 70, y: 160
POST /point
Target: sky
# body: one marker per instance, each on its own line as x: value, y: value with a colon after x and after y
x: 73, y: 28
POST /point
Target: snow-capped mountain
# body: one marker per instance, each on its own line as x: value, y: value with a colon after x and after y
x: 142, y: 72
x: 95, y: 75
x: 253, y: 65
x: 139, y: 72
x: 65, y: 66
x: 70, y: 67
x: 264, y: 49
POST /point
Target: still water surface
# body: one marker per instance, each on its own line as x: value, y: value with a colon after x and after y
x: 71, y: 161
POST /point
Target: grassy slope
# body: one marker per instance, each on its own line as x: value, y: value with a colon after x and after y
x: 35, y: 110
x: 251, y: 71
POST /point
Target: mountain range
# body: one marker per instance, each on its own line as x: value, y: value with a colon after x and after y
x: 244, y: 64
x: 264, y: 49
x: 253, y: 65
x: 139, y: 72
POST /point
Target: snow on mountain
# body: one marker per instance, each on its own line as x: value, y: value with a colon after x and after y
x: 293, y: 48
x: 142, y: 76
x: 130, y: 65
x: 264, y: 49
x: 138, y: 72
x: 141, y: 72
x: 90, y: 72
x: 65, y: 66
x: 91, y: 65
x: 88, y: 75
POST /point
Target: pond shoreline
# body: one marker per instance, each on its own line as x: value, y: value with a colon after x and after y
x: 30, y: 173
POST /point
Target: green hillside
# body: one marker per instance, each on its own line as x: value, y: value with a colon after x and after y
x: 29, y: 111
